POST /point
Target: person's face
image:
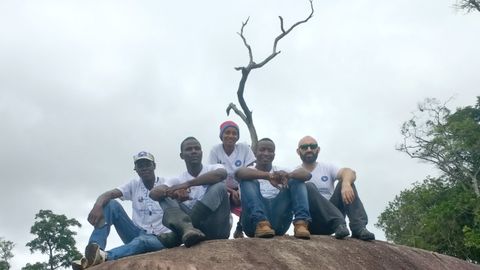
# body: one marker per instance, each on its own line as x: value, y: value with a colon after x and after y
x: 265, y: 152
x: 191, y: 152
x: 145, y: 168
x: 230, y: 136
x: 308, y: 150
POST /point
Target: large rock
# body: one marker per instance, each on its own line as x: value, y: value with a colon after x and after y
x: 286, y: 252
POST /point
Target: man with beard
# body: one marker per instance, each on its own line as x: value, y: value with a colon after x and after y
x: 270, y: 195
x: 198, y: 194
x: 329, y: 204
x: 139, y: 233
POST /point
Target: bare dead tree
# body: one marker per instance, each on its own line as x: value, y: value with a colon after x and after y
x: 246, y: 115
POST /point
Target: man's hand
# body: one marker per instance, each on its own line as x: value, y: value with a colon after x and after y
x: 96, y: 216
x: 234, y: 197
x: 158, y: 193
x: 347, y: 193
x: 180, y: 195
x: 279, y: 179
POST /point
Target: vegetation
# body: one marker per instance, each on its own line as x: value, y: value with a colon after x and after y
x: 54, y: 238
x: 5, y: 253
x: 440, y: 214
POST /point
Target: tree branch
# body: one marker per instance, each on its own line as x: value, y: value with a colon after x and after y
x: 247, y: 114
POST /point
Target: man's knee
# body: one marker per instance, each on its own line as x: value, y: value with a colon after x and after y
x: 112, y: 206
x: 310, y: 186
x: 218, y: 188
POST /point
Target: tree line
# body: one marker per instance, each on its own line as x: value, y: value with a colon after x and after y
x: 54, y: 236
x: 442, y: 213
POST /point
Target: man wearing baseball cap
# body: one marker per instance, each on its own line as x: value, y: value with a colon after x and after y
x: 138, y: 234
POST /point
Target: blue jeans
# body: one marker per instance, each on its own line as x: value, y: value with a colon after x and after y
x: 278, y: 211
x: 136, y: 240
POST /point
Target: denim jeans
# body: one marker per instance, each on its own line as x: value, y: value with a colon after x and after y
x: 278, y: 211
x: 136, y: 240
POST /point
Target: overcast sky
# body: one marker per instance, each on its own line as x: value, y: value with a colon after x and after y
x: 84, y: 85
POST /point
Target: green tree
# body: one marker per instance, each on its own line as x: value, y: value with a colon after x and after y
x: 36, y: 266
x: 5, y: 253
x: 440, y: 214
x: 450, y: 141
x: 54, y: 238
x: 433, y: 215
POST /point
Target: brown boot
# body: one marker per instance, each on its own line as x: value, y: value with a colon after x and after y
x: 264, y: 230
x: 301, y: 229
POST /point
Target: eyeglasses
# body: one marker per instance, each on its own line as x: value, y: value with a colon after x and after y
x: 312, y: 146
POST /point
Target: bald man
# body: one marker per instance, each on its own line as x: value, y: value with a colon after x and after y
x: 329, y: 204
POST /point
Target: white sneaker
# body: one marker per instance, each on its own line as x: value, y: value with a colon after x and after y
x: 80, y: 264
x: 94, y: 254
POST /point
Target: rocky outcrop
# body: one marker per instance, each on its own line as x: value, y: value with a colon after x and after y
x: 286, y: 252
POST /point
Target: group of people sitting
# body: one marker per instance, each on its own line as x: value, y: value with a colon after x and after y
x: 196, y: 205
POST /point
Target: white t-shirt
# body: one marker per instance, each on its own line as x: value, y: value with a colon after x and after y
x: 196, y: 192
x: 266, y: 189
x: 324, y: 176
x: 146, y: 213
x: 241, y: 156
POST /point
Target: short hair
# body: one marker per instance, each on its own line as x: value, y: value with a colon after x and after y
x: 186, y: 139
x: 263, y: 140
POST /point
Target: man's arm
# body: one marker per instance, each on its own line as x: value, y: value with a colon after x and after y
x: 347, y: 176
x: 209, y: 178
x: 245, y: 174
x: 300, y: 174
x: 278, y: 179
x: 96, y: 214
x: 158, y: 193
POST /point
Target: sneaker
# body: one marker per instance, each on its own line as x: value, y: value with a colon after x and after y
x: 238, y: 234
x: 94, y: 254
x: 301, y: 229
x: 341, y: 231
x: 363, y: 234
x: 264, y: 230
x: 79, y: 264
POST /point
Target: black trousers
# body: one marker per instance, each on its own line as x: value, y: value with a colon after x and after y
x: 328, y: 214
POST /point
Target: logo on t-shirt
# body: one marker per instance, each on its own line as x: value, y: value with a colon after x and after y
x: 238, y: 163
x: 324, y: 178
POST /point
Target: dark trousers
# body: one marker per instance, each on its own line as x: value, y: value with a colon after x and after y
x: 215, y: 224
x: 328, y: 214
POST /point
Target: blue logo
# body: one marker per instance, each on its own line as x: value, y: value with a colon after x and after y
x: 324, y: 178
x: 238, y: 163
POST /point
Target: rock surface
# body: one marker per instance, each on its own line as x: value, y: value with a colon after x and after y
x: 287, y: 252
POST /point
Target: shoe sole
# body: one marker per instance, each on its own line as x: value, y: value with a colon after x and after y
x: 364, y: 238
x: 265, y: 235
x: 79, y: 264
x: 91, y: 252
x: 302, y: 236
x: 193, y: 238
x: 341, y: 235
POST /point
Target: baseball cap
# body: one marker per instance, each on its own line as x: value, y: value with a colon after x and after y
x: 143, y: 155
